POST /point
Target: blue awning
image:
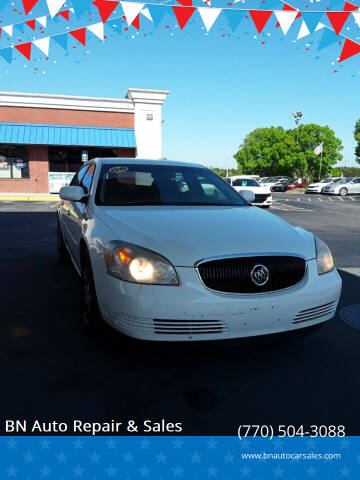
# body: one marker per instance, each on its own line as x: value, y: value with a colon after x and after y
x: 35, y: 134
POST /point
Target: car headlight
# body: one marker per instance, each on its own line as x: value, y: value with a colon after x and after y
x: 324, y: 259
x: 138, y: 265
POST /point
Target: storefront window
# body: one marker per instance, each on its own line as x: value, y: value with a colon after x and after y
x: 70, y: 159
x: 14, y: 162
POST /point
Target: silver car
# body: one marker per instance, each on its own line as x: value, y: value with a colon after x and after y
x: 346, y: 186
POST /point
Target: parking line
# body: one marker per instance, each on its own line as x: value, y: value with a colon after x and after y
x: 309, y: 200
x: 330, y: 199
x: 341, y: 199
x: 298, y: 199
x: 353, y: 199
x: 320, y: 200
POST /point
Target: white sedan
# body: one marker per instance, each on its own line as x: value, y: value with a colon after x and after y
x: 162, y: 256
x: 319, y: 187
x: 263, y: 197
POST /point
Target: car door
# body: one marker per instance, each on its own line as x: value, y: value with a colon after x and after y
x: 356, y: 185
x: 78, y: 217
x: 65, y: 206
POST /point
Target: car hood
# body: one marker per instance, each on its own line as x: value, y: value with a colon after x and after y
x: 257, y: 190
x: 316, y: 184
x: 185, y: 235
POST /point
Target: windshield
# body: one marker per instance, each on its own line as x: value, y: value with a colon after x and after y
x: 245, y: 182
x: 326, y: 180
x: 141, y: 184
x: 345, y: 180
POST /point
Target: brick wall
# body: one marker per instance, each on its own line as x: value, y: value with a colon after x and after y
x: 38, y: 170
x: 49, y: 116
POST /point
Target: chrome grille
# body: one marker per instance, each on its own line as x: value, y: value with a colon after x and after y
x: 315, y: 312
x: 188, y: 327
x: 233, y: 275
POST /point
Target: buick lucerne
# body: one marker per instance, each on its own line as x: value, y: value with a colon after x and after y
x: 169, y: 251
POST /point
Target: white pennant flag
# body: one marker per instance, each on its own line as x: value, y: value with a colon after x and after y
x: 147, y: 14
x: 304, y: 31
x: 42, y: 21
x: 208, y: 2
x: 357, y: 17
x: 8, y: 29
x: 319, y: 149
x: 43, y: 45
x: 97, y: 29
x: 54, y: 6
x: 319, y: 27
x: 131, y: 10
x: 208, y: 16
x: 286, y: 18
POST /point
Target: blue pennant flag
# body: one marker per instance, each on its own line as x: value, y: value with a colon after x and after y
x: 329, y: 37
x: 6, y: 54
x: 158, y: 12
x: 20, y: 27
x: 311, y: 19
x: 272, y: 5
x: 81, y: 6
x: 61, y: 40
x: 115, y: 25
x: 234, y: 18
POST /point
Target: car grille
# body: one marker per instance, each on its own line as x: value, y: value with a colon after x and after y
x: 261, y: 197
x: 188, y: 327
x: 233, y: 275
x: 315, y: 312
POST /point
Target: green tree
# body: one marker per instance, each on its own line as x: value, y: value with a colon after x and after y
x: 275, y: 151
x: 357, y: 138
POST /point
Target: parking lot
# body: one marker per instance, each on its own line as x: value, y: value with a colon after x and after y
x: 52, y: 370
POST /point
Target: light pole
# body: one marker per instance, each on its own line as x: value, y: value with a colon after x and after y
x: 297, y: 116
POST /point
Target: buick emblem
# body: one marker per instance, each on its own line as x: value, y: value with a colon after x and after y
x: 259, y: 275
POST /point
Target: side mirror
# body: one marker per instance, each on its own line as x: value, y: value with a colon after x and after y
x: 72, y: 193
x: 248, y: 195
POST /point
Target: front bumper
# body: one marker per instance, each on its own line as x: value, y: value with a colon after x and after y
x: 267, y: 201
x: 191, y: 312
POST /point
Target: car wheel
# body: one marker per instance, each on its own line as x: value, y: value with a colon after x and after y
x: 266, y: 206
x: 62, y: 250
x: 91, y: 315
x: 343, y: 192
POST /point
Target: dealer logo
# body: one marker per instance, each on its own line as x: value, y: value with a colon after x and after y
x: 259, y: 275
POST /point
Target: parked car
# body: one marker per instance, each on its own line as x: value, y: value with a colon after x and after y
x: 263, y: 197
x: 294, y: 183
x: 319, y: 187
x: 162, y: 258
x: 272, y: 181
x: 282, y: 185
x: 346, y: 186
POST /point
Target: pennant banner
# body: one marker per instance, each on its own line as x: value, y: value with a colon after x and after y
x: 260, y: 18
x: 209, y: 16
x: 97, y: 29
x: 105, y: 7
x: 285, y: 19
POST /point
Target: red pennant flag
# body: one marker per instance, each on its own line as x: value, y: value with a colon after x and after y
x: 65, y: 14
x: 25, y: 49
x: 260, y: 18
x: 350, y: 49
x: 105, y: 7
x: 136, y: 22
x: 349, y: 7
x: 183, y: 15
x: 288, y: 7
x: 337, y: 20
x: 80, y: 35
x: 31, y: 24
x: 185, y: 3
x: 28, y: 5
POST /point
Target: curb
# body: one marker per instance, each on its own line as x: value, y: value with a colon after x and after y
x: 28, y: 198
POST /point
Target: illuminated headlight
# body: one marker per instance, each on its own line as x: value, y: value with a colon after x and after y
x: 324, y: 259
x: 138, y: 265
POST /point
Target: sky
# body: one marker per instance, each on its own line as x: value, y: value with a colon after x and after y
x: 222, y: 84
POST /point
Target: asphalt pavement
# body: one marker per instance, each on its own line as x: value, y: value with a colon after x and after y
x: 52, y: 370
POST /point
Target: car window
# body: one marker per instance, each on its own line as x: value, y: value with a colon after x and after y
x: 79, y: 175
x: 88, y: 177
x: 141, y: 184
x: 245, y: 182
x: 345, y: 180
x: 357, y: 180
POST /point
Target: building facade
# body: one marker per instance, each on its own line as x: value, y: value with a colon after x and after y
x: 44, y: 139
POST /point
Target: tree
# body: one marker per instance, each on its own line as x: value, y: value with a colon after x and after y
x: 357, y: 138
x: 275, y: 151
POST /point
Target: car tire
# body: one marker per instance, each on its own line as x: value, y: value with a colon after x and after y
x: 266, y: 206
x: 91, y: 315
x: 343, y: 192
x: 62, y: 250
